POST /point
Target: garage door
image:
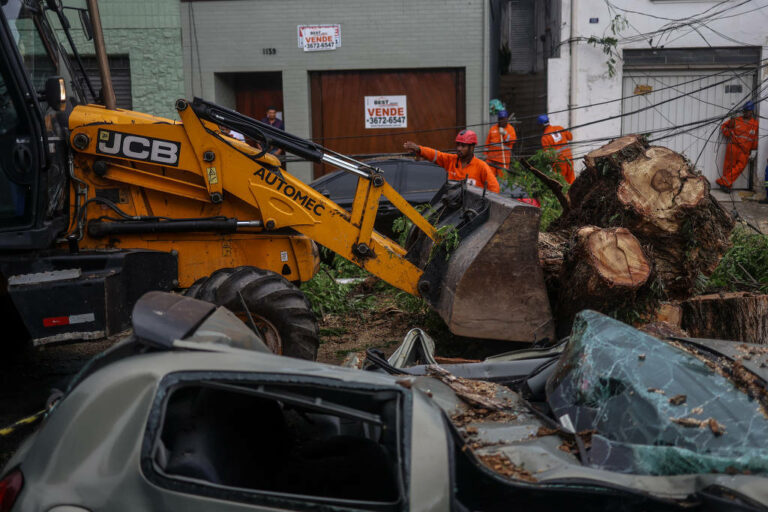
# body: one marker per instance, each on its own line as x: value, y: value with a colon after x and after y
x: 702, y: 144
x: 434, y: 101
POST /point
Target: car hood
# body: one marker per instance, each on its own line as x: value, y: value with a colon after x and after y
x: 673, y: 420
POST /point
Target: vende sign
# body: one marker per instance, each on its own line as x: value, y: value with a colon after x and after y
x: 386, y: 112
x: 315, y: 38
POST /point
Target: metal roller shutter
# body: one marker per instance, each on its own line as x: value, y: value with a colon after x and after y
x: 120, y: 67
x: 691, y: 97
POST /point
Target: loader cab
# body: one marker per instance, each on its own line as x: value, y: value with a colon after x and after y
x: 36, y: 93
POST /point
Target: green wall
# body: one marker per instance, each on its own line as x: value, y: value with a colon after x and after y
x: 149, y: 32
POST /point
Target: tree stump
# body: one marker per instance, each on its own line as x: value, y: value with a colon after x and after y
x: 601, y: 269
x: 738, y: 316
x: 653, y: 192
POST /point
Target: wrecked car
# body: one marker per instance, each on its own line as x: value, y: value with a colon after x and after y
x: 194, y: 413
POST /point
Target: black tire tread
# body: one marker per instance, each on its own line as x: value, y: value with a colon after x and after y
x: 271, y: 296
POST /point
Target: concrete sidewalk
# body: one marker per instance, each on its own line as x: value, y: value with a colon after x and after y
x: 745, y: 205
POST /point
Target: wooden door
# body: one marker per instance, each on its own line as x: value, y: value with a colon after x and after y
x: 256, y: 92
x: 435, y: 110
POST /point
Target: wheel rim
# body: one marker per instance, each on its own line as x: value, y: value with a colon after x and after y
x: 267, y: 330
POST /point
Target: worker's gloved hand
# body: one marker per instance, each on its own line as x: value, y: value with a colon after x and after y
x: 411, y: 146
x: 753, y: 155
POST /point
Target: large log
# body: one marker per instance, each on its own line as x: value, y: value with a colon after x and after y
x: 601, y: 269
x: 738, y: 316
x: 653, y: 192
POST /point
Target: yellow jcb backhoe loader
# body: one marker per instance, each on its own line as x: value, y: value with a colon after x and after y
x: 99, y: 205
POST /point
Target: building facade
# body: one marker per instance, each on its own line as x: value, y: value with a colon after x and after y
x: 143, y: 41
x: 681, y: 69
x: 431, y: 59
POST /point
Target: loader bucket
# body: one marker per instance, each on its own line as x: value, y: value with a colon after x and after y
x: 491, y: 286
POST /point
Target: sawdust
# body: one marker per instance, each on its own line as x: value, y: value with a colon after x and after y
x: 473, y: 415
x: 503, y: 466
x: 477, y: 393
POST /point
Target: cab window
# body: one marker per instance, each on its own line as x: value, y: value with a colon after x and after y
x: 25, y: 32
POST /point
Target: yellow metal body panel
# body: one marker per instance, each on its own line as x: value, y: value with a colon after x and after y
x: 169, y: 169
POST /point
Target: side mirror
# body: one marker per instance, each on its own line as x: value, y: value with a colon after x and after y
x: 55, y: 93
x: 86, y: 25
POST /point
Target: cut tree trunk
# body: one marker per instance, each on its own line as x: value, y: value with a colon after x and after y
x: 601, y: 269
x: 653, y: 192
x: 738, y: 316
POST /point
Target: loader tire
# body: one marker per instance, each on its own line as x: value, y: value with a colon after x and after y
x: 280, y: 310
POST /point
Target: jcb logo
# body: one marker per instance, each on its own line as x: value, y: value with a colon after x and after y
x: 159, y: 151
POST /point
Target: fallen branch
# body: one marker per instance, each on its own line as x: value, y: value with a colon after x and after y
x: 553, y: 185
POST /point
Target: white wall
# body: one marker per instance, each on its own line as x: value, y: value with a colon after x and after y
x: 228, y: 36
x: 592, y: 83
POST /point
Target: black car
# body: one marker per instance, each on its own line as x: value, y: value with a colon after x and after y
x: 417, y: 182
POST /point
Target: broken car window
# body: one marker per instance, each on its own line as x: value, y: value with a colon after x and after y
x: 306, y: 442
x: 652, y: 408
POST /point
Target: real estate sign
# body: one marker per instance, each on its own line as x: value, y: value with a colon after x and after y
x: 386, y: 112
x: 314, y: 38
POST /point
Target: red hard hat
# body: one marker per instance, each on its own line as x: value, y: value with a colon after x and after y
x: 467, y: 137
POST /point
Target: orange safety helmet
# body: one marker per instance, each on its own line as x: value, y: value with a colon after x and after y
x: 467, y: 137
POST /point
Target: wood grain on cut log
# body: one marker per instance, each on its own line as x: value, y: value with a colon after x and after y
x: 616, y: 257
x: 653, y: 192
x: 602, y: 269
x: 738, y: 316
x: 659, y: 187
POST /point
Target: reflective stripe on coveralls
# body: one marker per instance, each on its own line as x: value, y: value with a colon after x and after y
x: 742, y: 139
x: 504, y: 139
x: 476, y: 171
x: 556, y: 137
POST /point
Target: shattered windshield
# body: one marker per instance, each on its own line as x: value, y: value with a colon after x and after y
x: 652, y: 408
x: 38, y: 57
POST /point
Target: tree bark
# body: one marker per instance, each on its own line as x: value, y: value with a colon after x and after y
x: 738, y: 316
x: 596, y: 268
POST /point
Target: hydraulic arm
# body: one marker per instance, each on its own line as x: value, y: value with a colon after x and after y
x: 189, y: 178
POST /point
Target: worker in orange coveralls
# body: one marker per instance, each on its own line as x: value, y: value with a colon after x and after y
x: 462, y: 165
x: 741, y: 133
x: 498, y: 144
x: 557, y: 137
